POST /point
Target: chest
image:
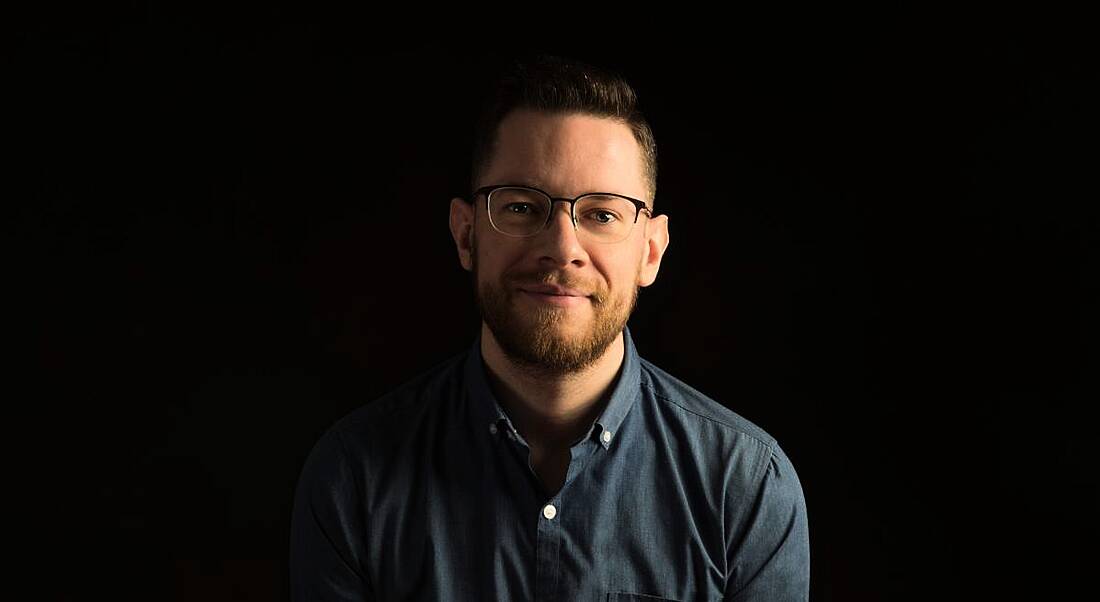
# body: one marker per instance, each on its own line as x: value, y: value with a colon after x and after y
x: 593, y: 528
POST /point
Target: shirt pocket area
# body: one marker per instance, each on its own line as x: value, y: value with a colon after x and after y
x: 626, y: 597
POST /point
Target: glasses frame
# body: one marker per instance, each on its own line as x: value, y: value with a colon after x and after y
x: 639, y: 205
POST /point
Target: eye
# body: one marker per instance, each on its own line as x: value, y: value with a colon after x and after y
x: 602, y: 216
x: 518, y: 208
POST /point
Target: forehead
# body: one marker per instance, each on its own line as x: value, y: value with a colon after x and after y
x: 567, y: 154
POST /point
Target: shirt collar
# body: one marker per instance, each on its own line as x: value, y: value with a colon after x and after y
x: 489, y: 418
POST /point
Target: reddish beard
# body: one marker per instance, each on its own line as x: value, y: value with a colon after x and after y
x: 541, y: 338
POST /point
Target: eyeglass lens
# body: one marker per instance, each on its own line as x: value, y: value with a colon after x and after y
x: 523, y: 212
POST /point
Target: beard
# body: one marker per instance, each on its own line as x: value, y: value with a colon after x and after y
x: 543, y: 340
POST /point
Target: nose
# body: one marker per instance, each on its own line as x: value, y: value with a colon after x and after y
x: 558, y: 242
x: 559, y: 212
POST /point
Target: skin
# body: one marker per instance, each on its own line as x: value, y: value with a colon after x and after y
x: 552, y: 368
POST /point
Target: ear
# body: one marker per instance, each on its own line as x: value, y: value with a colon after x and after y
x: 462, y: 229
x: 656, y: 241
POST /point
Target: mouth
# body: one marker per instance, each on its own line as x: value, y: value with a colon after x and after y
x: 553, y: 298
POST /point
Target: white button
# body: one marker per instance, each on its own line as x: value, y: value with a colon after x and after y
x: 607, y: 436
x: 493, y: 428
x: 512, y: 435
x: 549, y: 511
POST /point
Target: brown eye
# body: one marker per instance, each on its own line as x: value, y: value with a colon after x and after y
x: 525, y: 208
x: 605, y: 217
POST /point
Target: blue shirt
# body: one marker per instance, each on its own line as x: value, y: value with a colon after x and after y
x: 428, y: 494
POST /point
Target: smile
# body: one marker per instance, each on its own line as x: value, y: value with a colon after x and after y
x: 559, y: 300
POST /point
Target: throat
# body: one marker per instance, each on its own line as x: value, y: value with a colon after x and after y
x: 550, y: 467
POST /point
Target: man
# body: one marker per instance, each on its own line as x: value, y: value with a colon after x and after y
x: 550, y: 461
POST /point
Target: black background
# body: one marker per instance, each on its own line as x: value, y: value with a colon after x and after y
x: 234, y: 231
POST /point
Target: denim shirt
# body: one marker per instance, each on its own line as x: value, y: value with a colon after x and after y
x: 428, y: 493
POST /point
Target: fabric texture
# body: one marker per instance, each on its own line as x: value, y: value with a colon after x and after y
x: 428, y: 494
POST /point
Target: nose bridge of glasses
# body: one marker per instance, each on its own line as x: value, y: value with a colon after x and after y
x: 569, y: 205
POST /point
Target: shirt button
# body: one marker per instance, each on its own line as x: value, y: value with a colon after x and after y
x: 606, y: 436
x: 493, y: 428
x: 549, y: 511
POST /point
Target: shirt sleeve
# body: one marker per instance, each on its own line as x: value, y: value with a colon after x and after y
x: 327, y: 537
x: 770, y: 558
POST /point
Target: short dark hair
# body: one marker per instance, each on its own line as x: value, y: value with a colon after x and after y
x: 556, y: 84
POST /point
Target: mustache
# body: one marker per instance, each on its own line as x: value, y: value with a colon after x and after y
x: 551, y: 279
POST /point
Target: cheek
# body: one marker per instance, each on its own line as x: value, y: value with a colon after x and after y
x: 624, y: 274
x: 487, y: 266
x: 626, y: 283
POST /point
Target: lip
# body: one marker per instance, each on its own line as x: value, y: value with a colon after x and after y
x: 552, y: 294
x: 551, y: 299
x: 552, y: 289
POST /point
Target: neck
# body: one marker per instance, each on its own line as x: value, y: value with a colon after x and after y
x: 554, y: 411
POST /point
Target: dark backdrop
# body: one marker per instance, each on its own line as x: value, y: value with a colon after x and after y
x: 882, y: 252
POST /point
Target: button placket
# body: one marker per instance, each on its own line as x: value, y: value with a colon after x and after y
x: 548, y: 551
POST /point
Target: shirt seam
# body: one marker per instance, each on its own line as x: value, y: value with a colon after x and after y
x: 397, y: 400
x: 364, y: 570
x: 758, y: 497
x: 766, y: 444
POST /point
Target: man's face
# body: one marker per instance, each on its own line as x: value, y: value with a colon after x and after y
x: 565, y: 155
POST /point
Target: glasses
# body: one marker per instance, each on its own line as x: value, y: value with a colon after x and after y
x: 523, y: 211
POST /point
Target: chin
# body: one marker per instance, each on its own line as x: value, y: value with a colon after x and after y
x: 558, y: 319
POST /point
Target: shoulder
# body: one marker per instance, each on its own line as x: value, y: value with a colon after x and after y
x: 744, y: 449
x: 677, y: 395
x: 386, y: 419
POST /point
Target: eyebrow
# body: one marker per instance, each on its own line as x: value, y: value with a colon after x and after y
x: 540, y: 186
x: 531, y: 183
